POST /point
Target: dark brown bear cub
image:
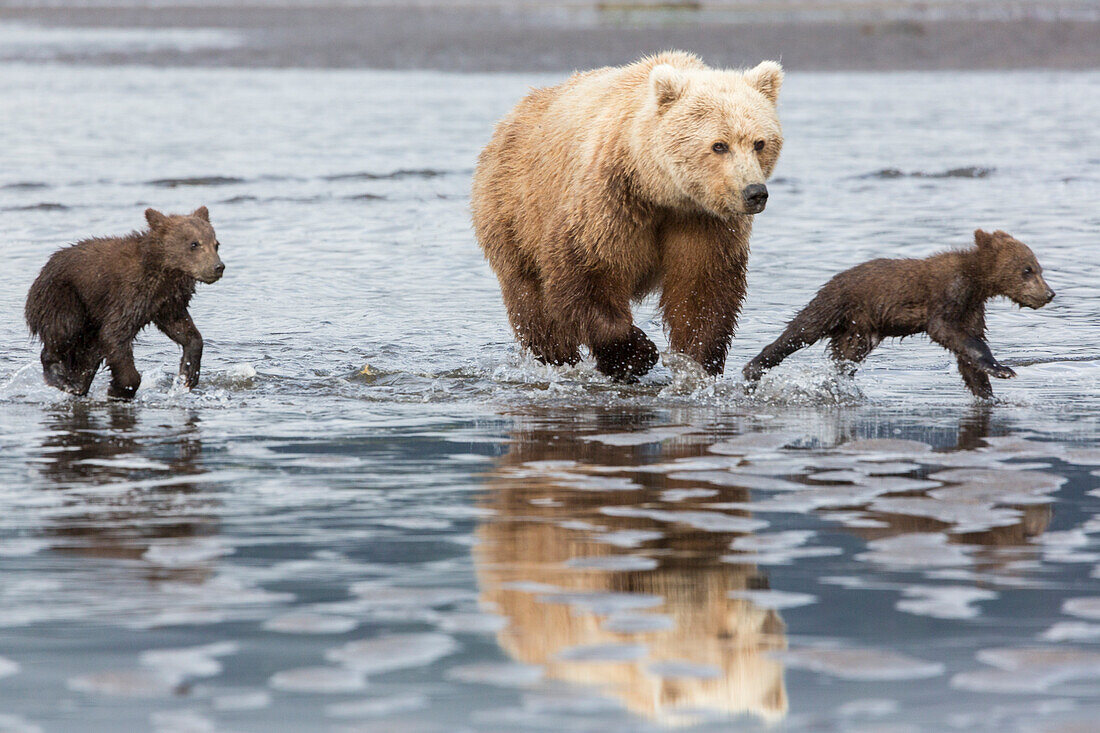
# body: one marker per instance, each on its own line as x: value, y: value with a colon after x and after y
x: 943, y: 296
x: 92, y: 299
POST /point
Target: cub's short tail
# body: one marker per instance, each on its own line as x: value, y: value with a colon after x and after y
x: 809, y: 326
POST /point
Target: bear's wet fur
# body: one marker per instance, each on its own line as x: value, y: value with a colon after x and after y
x: 943, y: 295
x: 619, y: 182
x: 92, y: 298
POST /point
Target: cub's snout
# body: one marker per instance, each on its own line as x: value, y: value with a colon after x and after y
x: 214, y: 274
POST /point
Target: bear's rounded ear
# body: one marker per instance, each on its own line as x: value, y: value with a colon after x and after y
x: 202, y: 212
x: 156, y: 219
x: 766, y: 78
x: 667, y: 84
x: 983, y: 238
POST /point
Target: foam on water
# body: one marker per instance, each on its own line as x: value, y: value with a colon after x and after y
x: 319, y: 680
x: 397, y: 651
x: 862, y: 664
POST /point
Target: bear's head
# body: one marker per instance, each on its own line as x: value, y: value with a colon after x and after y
x: 714, y: 135
x: 1009, y: 268
x: 188, y: 243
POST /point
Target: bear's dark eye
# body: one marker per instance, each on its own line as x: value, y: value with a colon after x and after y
x: 758, y: 145
x: 1028, y: 271
x: 217, y: 245
x: 720, y: 148
x: 194, y: 245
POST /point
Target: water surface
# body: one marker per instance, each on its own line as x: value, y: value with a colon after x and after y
x: 463, y: 540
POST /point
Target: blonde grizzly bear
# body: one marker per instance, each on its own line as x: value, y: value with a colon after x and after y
x: 620, y: 181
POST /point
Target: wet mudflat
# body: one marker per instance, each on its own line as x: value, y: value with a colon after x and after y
x: 465, y: 540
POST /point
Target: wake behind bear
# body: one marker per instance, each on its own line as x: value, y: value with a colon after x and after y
x: 620, y: 181
x: 91, y: 299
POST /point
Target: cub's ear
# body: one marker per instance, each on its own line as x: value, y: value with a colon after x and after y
x: 766, y: 78
x: 667, y: 83
x: 157, y: 220
x: 983, y: 239
x: 202, y: 212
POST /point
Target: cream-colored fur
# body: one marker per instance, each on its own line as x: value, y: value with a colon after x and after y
x: 608, y: 186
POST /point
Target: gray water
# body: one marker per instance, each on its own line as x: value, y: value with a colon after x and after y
x: 464, y: 540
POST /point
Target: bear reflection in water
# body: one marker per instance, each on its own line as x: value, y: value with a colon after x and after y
x: 145, y: 472
x: 680, y: 647
x: 618, y: 577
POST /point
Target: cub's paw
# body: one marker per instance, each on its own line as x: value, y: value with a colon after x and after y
x: 58, y: 377
x: 628, y: 359
x: 189, y: 378
x: 123, y: 390
x: 996, y: 369
x: 753, y: 371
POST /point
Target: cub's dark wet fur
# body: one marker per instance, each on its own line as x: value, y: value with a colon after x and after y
x: 943, y: 296
x: 92, y: 298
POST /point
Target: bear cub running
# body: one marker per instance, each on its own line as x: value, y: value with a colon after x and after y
x: 92, y: 298
x: 943, y: 296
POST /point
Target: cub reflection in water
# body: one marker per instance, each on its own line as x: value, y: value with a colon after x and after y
x: 104, y: 447
x: 635, y: 607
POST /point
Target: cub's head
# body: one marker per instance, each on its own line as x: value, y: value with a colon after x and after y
x: 1010, y: 269
x: 188, y: 243
x: 715, y: 135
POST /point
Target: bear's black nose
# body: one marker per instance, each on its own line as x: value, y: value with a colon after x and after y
x: 220, y: 268
x: 755, y: 195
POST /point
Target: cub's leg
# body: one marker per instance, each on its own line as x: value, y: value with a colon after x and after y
x: 704, y: 283
x: 976, y: 381
x: 177, y: 325
x: 850, y: 348
x: 84, y: 362
x: 56, y: 372
x: 125, y: 378
x: 805, y: 329
x: 969, y: 346
x: 56, y: 314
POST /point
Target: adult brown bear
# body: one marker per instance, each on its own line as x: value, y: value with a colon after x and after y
x: 618, y: 182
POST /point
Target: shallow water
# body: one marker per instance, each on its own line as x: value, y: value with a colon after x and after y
x: 464, y: 540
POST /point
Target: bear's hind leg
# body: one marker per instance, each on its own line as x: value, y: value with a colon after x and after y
x: 56, y: 314
x: 74, y: 371
x: 84, y: 364
x: 56, y: 372
x: 850, y: 348
x: 532, y: 324
x: 800, y: 333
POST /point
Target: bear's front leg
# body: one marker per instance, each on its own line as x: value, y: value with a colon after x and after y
x: 178, y: 326
x: 628, y: 359
x: 704, y: 262
x: 976, y: 381
x: 701, y: 320
x: 968, y: 348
